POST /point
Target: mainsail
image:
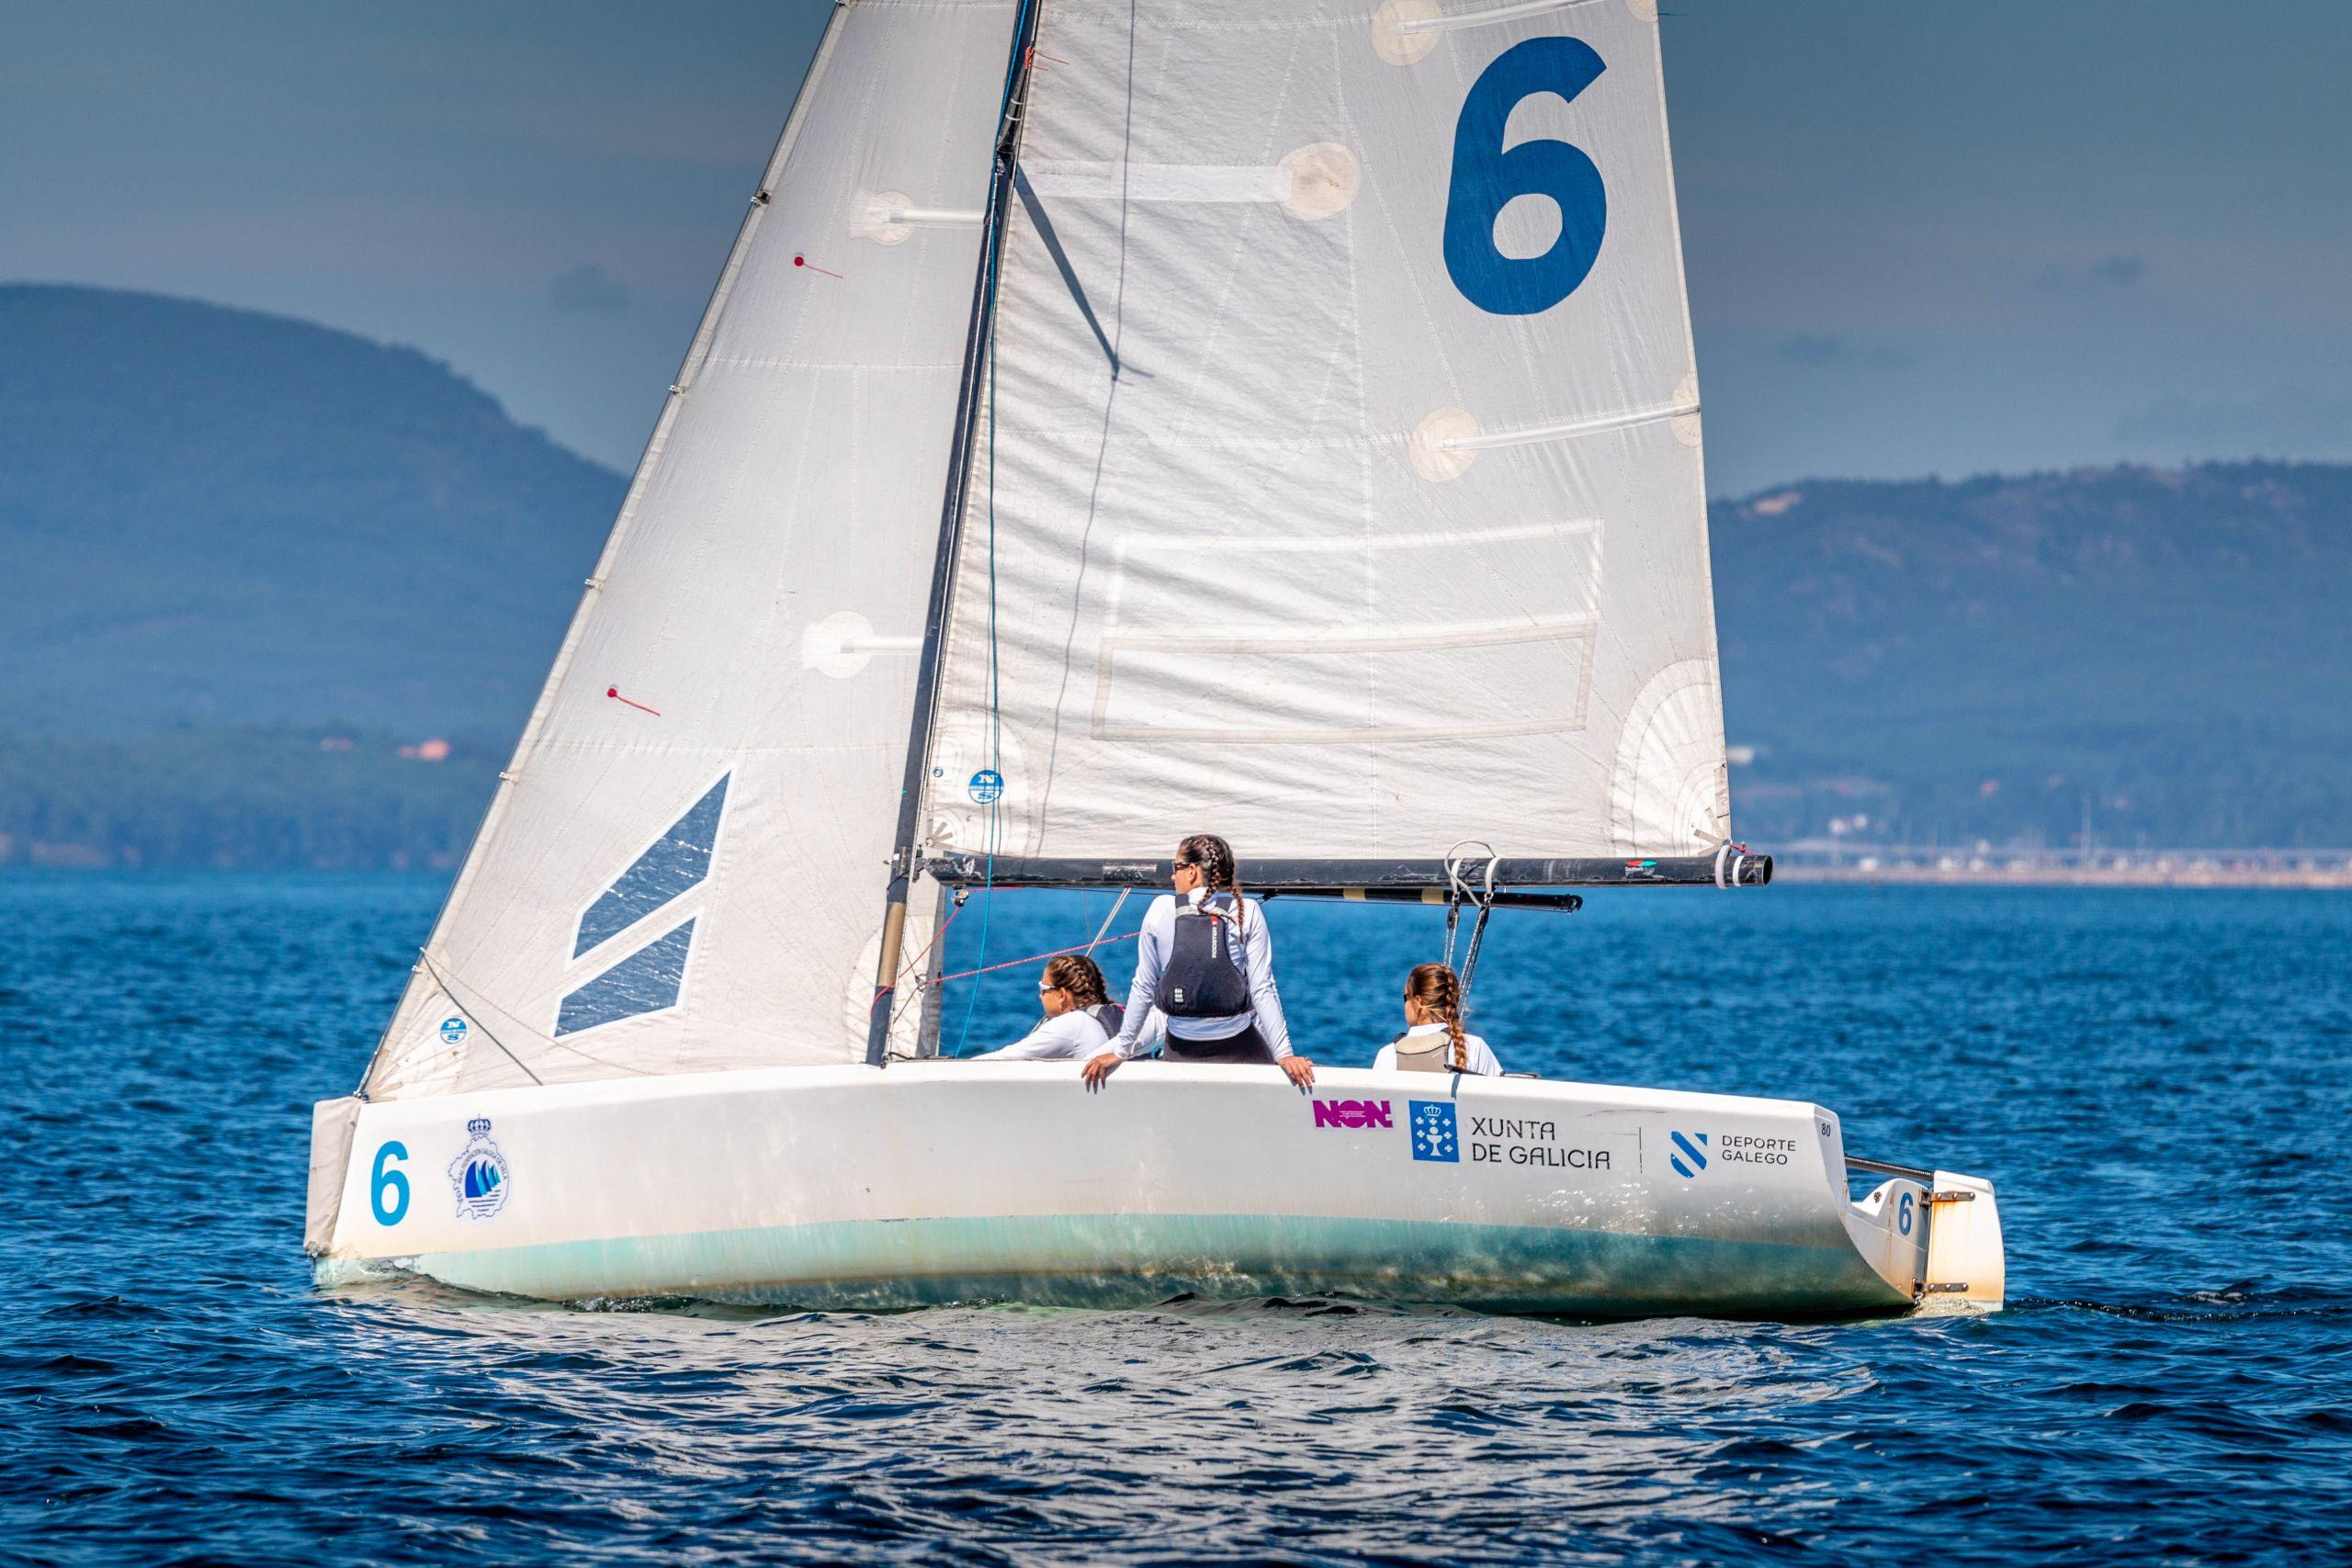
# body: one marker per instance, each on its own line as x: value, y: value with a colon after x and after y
x: 682, y: 867
x: 1337, y: 482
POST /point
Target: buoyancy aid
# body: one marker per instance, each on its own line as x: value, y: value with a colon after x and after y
x: 1203, y: 977
x: 1110, y: 1015
x: 1434, y: 1057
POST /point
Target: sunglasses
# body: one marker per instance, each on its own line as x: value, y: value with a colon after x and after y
x: 1042, y: 987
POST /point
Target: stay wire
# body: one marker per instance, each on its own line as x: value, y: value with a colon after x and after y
x: 435, y: 971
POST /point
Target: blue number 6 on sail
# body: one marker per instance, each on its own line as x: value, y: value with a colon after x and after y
x: 1486, y: 177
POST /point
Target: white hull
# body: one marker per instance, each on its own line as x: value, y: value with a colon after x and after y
x: 932, y: 1181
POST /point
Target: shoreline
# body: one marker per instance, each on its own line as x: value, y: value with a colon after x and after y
x: 2326, y: 877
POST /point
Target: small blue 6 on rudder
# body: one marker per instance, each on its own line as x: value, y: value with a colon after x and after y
x: 1486, y: 178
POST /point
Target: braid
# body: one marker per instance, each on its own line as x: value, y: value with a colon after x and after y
x: 1439, y: 991
x: 1218, y: 874
x: 1079, y: 975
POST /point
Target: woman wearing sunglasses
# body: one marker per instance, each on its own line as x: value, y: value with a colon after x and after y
x: 1080, y: 1017
x: 1204, y: 963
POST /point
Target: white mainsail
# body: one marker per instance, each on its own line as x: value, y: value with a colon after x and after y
x: 1338, y: 483
x: 682, y: 867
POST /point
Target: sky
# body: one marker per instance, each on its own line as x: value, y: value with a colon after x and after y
x: 1923, y: 238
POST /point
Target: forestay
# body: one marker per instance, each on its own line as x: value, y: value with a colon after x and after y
x: 1338, y: 484
x: 682, y: 868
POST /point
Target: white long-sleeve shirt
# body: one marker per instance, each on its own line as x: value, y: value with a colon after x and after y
x: 1075, y: 1034
x: 1482, y: 1060
x: 1159, y: 939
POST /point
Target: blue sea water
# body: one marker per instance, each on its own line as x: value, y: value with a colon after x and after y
x: 2156, y: 1080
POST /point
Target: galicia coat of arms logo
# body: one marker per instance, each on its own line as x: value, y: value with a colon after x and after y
x: 1435, y: 1133
x: 478, y: 1175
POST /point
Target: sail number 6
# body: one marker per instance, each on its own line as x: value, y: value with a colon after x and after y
x: 1488, y: 177
x: 388, y: 1190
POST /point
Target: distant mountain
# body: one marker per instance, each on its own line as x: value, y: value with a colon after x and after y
x: 246, y: 562
x: 2164, y: 654
x: 243, y: 562
x: 215, y: 516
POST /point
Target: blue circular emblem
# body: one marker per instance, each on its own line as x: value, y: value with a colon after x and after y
x: 986, y: 786
x: 453, y: 1029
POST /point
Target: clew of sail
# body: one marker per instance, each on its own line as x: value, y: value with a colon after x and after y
x: 1337, y: 480
x: 678, y: 870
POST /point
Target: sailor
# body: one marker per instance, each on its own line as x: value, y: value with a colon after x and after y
x: 1206, y: 965
x: 1080, y: 1017
x: 1435, y: 1040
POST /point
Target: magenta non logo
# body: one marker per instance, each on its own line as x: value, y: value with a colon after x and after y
x: 1352, y: 1114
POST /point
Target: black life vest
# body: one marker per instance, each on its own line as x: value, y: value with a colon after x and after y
x: 1203, y: 977
x: 1110, y: 1015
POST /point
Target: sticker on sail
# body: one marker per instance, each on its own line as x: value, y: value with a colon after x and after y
x: 1435, y: 1136
x: 452, y: 1030
x: 480, y: 1174
x: 987, y: 786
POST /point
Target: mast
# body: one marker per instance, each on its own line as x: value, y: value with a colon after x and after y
x: 942, y: 571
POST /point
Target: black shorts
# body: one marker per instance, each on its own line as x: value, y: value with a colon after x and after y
x: 1247, y: 1046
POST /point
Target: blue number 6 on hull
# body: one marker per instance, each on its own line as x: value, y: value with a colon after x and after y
x: 1486, y: 177
x: 387, y: 1188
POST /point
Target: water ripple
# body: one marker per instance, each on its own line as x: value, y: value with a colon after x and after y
x: 2156, y: 1081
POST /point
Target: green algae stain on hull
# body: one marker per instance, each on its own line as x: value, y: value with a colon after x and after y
x: 1139, y: 1259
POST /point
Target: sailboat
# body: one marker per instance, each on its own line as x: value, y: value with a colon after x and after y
x: 1276, y: 417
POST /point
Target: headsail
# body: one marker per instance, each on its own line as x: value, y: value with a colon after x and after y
x: 679, y: 871
x: 1339, y: 483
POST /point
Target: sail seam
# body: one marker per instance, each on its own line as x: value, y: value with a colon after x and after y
x: 1528, y: 436
x: 745, y: 362
x: 1419, y: 538
x: 1406, y: 640
x: 1464, y: 20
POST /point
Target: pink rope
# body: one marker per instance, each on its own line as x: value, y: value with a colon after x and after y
x: 1016, y: 963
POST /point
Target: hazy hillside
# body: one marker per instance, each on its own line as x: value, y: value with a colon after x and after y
x: 245, y: 561
x: 2170, y: 650
x: 215, y: 515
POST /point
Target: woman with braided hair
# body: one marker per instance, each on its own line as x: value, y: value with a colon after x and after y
x: 1204, y: 963
x: 1435, y: 1040
x: 1080, y: 1016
